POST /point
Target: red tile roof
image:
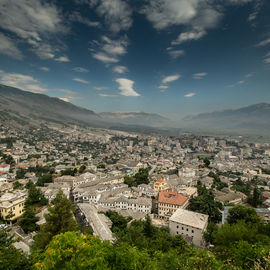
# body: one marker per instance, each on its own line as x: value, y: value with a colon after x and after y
x: 171, y: 198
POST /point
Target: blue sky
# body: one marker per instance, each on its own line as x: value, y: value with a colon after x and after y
x: 172, y: 57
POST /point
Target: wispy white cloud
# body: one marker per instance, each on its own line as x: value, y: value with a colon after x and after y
x: 120, y: 69
x: 171, y: 78
x: 44, y: 69
x: 242, y: 81
x: 67, y: 91
x: 80, y: 80
x: 117, y: 14
x: 240, y: 2
x: 77, y: 17
x: 126, y: 87
x: 199, y: 75
x: 249, y: 74
x: 100, y: 88
x: 80, y: 69
x: 8, y: 47
x: 263, y: 42
x: 165, y: 13
x: 190, y: 95
x: 105, y: 58
x: 237, y: 83
x: 107, y: 95
x: 69, y: 95
x: 266, y: 58
x: 163, y: 88
x: 109, y: 51
x: 258, y: 4
x: 35, y: 23
x: 175, y: 53
x: 62, y: 59
x: 44, y: 51
x: 196, y: 15
x: 21, y: 81
x: 187, y: 36
x: 167, y: 80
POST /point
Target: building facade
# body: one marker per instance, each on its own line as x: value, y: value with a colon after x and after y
x: 190, y: 225
x: 169, y: 202
x: 12, y: 205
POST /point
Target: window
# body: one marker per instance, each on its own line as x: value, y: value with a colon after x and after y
x: 182, y: 228
x: 177, y: 226
x: 187, y: 229
x: 192, y: 231
x: 176, y: 232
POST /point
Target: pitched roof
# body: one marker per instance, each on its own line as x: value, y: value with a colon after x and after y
x: 171, y: 198
x: 189, y: 218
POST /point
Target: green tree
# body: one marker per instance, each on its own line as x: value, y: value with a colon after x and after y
x: 17, y: 185
x: 141, y: 177
x: 119, y: 223
x: 69, y: 171
x: 101, y: 166
x: 256, y: 198
x: 211, y: 230
x: 35, y: 196
x: 60, y: 219
x: 45, y: 178
x: 129, y: 181
x: 72, y: 251
x: 82, y: 168
x: 206, y: 162
x: 9, y: 159
x: 20, y: 173
x: 240, y: 212
x: 11, y: 258
x: 29, y: 184
x: 28, y: 220
x: 205, y: 203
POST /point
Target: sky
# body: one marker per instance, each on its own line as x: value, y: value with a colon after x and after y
x: 171, y: 57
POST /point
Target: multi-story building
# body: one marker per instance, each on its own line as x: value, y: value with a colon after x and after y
x: 12, y: 205
x: 190, y: 225
x: 169, y: 202
x: 161, y: 185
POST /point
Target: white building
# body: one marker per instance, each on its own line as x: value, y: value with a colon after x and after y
x: 190, y: 225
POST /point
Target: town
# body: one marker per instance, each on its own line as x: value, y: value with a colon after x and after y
x: 135, y: 175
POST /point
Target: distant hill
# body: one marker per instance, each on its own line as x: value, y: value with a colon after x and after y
x: 23, y: 109
x: 26, y: 108
x: 135, y: 118
x: 254, y: 119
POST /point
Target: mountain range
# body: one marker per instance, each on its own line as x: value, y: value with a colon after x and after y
x: 253, y: 119
x: 22, y: 109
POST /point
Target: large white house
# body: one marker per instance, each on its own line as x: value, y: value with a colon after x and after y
x: 190, y: 225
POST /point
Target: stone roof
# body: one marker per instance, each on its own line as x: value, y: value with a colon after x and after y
x: 190, y: 218
x: 97, y: 221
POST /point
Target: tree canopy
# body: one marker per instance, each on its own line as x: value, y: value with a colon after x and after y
x: 11, y: 258
x: 60, y: 219
x: 205, y: 203
x: 240, y: 212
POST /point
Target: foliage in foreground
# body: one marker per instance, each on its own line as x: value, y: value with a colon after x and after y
x: 60, y: 219
x: 11, y: 258
x: 72, y: 251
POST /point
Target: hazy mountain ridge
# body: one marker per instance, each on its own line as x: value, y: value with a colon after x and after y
x: 135, y: 118
x: 22, y: 106
x: 253, y: 118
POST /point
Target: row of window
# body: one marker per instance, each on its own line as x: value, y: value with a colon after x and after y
x: 183, y: 234
x: 168, y: 205
x: 192, y: 231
